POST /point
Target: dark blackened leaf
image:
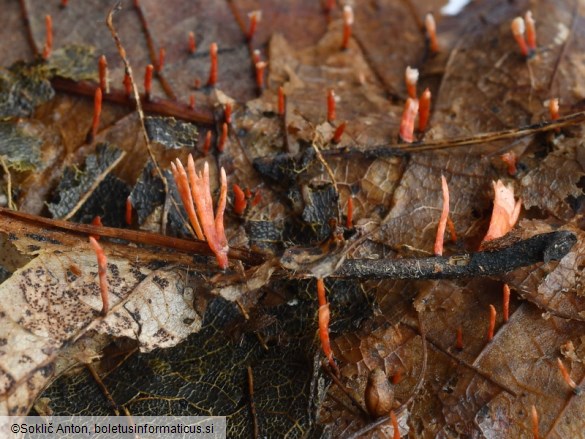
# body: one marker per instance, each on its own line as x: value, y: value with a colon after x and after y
x: 23, y: 87
x: 20, y: 150
x: 320, y: 207
x: 171, y: 133
x: 77, y: 185
x: 148, y: 193
x: 75, y: 62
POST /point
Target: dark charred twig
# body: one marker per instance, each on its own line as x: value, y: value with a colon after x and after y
x: 157, y: 106
x: 401, y: 149
x: 152, y: 52
x: 103, y: 388
x: 252, y: 403
x: 540, y: 248
x: 26, y: 20
x: 147, y: 238
x: 128, y: 70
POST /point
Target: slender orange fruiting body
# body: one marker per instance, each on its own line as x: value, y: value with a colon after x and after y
x: 321, y: 292
x: 97, y: 111
x: 510, y: 159
x: 256, y: 58
x: 148, y: 81
x: 396, y: 434
x: 424, y: 110
x: 48, y: 48
x: 281, y: 103
x: 213, y: 227
x: 553, y: 108
x: 260, y: 68
x: 257, y: 198
x: 347, y: 23
x: 338, y: 133
x: 349, y: 218
x: 127, y: 85
x: 459, y: 339
x: 492, y: 326
x: 329, y: 5
x: 255, y: 17
x: 128, y: 215
x: 180, y: 176
x: 506, y: 304
x: 438, y: 249
x: 407, y: 121
x: 97, y: 221
x: 192, y: 47
x: 534, y: 416
x: 162, y: 53
x: 227, y: 113
x: 103, y: 72
x: 63, y: 4
x: 102, y: 274
x: 530, y: 31
x: 567, y: 377
x: 411, y: 78
x: 397, y: 377
x: 191, y: 102
x: 222, y: 138
x: 518, y: 28
x: 212, y: 80
x: 324, y: 317
x: 331, y: 106
x: 431, y: 28
x: 240, y: 201
x: 207, y: 143
x: 248, y: 192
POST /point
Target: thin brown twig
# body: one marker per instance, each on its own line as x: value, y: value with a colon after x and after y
x: 103, y: 388
x: 252, y: 403
x: 152, y: 52
x: 128, y: 70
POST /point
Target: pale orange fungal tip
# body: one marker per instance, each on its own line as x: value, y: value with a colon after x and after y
x: 459, y: 339
x: 96, y: 221
x: 534, y: 417
x: 223, y: 137
x: 331, y: 106
x: 256, y: 57
x: 48, y: 48
x: 192, y: 47
x: 505, y: 212
x: 553, y: 109
x: 506, y: 303
x: 207, y: 143
x: 97, y: 111
x: 128, y: 214
x: 227, y: 113
x: 255, y: 17
x: 103, y: 74
x: 162, y: 53
x: 191, y: 102
x: 530, y: 31
x: 181, y: 180
x: 281, y: 101
x: 396, y: 434
x: 492, y: 325
x: 518, y: 29
x: 212, y: 80
x: 200, y: 194
x: 411, y: 78
x: 347, y: 24
x: 424, y: 110
x: 567, y: 377
x: 102, y: 274
x: 338, y: 132
x: 407, y: 120
x: 431, y: 28
x: 438, y: 249
x: 511, y: 160
x: 321, y: 292
x: 260, y: 68
x: 148, y: 81
x: 240, y: 201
